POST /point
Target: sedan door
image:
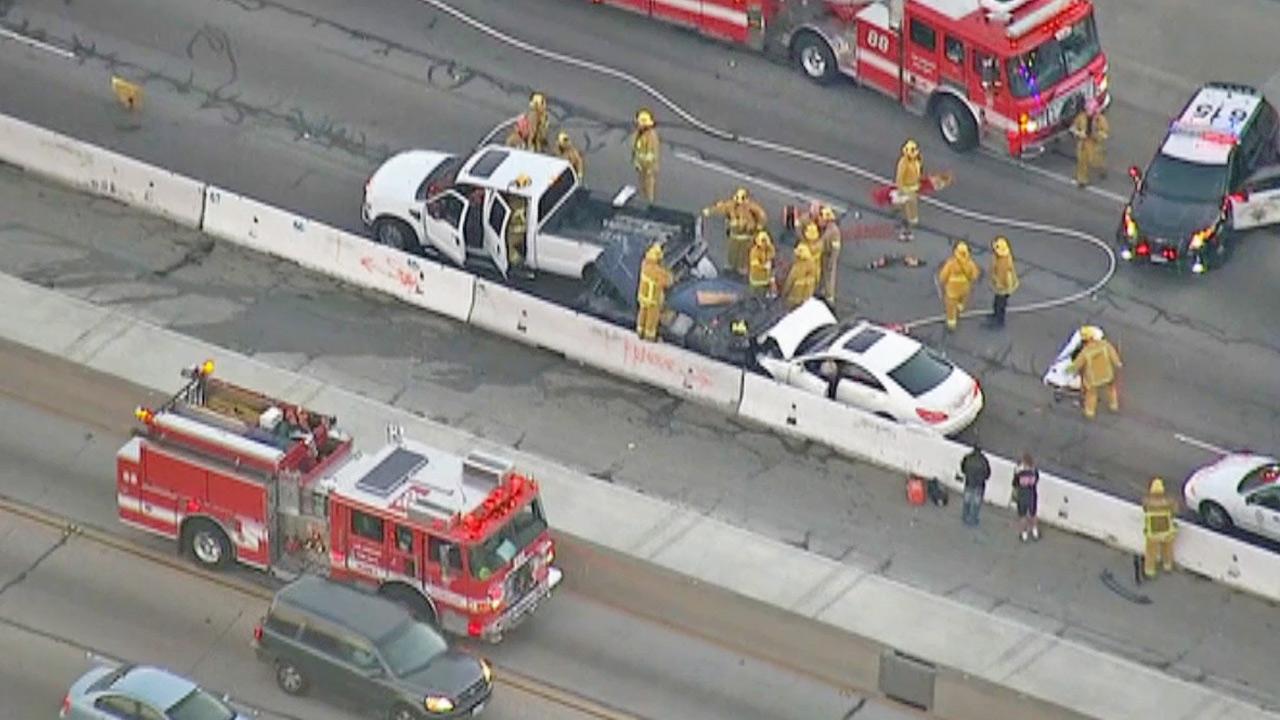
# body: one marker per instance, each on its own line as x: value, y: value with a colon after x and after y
x: 809, y: 375
x: 1258, y: 202
x: 1263, y: 516
x: 443, y: 225
x: 860, y: 388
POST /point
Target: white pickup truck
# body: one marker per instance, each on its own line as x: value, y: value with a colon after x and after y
x: 460, y: 207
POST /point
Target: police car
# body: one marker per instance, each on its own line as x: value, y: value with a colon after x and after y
x: 1214, y: 175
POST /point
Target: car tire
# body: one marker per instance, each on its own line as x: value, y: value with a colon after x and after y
x: 395, y: 234
x: 1222, y: 251
x: 207, y: 544
x: 1215, y: 516
x: 956, y: 125
x: 400, y: 711
x: 412, y: 601
x: 814, y: 58
x: 291, y: 679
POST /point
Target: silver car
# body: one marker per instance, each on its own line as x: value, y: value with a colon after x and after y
x: 139, y: 692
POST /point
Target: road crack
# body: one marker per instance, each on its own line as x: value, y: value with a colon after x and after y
x: 14, y: 581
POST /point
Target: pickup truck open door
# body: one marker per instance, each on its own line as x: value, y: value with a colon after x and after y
x: 497, y: 215
x: 1257, y: 203
x: 443, y: 224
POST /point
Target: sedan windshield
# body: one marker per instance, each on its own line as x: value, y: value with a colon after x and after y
x: 1185, y: 181
x: 200, y: 705
x: 1037, y: 71
x: 921, y: 373
x: 411, y: 647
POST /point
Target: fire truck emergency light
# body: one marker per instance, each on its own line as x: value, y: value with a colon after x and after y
x: 144, y: 415
x: 206, y: 368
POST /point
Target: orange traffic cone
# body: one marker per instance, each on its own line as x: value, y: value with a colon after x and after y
x: 129, y: 94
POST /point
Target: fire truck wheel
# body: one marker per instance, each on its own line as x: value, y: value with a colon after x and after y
x: 814, y: 57
x: 412, y: 601
x: 207, y: 543
x: 956, y: 125
x: 290, y: 678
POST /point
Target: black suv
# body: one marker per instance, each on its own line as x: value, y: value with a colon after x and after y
x: 367, y: 650
x: 1196, y: 192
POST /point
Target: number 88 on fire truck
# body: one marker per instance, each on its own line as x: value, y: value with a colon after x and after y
x: 235, y: 475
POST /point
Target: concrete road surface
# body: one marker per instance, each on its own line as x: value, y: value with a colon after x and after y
x: 60, y: 426
x: 296, y: 102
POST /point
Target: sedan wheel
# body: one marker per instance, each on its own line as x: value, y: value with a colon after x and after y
x: 1215, y: 516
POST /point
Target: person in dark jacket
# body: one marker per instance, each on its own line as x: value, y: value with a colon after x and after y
x: 975, y: 469
x: 1026, y: 479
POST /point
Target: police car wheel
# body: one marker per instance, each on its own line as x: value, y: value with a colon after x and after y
x: 1215, y: 516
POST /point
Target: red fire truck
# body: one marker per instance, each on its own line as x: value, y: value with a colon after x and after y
x: 235, y: 475
x: 1008, y: 74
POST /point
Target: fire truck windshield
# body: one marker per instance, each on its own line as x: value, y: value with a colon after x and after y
x: 506, y: 542
x: 411, y: 647
x: 1035, y: 72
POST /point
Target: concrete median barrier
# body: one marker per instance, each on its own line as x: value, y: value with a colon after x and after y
x: 414, y: 280
x: 679, y: 371
x: 525, y: 318
x: 101, y: 172
x: 257, y: 226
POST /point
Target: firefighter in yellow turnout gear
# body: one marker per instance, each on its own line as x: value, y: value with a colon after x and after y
x: 830, y: 252
x: 744, y: 218
x: 1158, y: 528
x: 955, y: 280
x: 645, y: 149
x: 651, y: 294
x: 802, y: 280
x: 760, y: 262
x: 566, y: 151
x: 907, y: 186
x: 1096, y: 365
x: 1091, y: 131
x: 539, y: 123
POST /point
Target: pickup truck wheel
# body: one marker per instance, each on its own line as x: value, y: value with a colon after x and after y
x: 956, y: 125
x: 394, y: 234
x: 290, y: 678
x: 814, y: 58
x: 207, y: 544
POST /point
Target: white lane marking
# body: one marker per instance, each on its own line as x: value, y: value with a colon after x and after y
x: 38, y: 44
x: 1200, y: 444
x: 777, y: 148
x: 755, y: 180
x: 1059, y: 177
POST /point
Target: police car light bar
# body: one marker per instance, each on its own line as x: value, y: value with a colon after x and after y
x: 1034, y: 19
x: 1208, y: 134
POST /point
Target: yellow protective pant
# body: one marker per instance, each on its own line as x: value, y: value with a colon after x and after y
x: 953, y: 306
x: 739, y: 251
x: 647, y: 322
x: 1091, y: 399
x: 910, y: 207
x: 1090, y: 154
x: 648, y: 182
x: 1158, y: 550
x: 830, y: 266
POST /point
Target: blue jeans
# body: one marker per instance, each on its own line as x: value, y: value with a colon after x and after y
x: 972, y: 504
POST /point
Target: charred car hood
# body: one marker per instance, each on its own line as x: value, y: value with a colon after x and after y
x: 1171, y: 220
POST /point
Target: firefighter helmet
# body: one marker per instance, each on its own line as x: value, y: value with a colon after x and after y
x: 1001, y: 246
x: 537, y: 101
x: 644, y: 119
x: 827, y: 214
x: 522, y: 181
x: 654, y: 253
x: 763, y: 238
x: 1157, y: 486
x: 1090, y: 332
x: 562, y: 139
x: 811, y: 232
x: 910, y: 148
x: 962, y: 249
x: 740, y: 195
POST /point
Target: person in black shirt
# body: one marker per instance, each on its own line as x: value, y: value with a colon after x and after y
x: 1026, y: 478
x: 975, y: 469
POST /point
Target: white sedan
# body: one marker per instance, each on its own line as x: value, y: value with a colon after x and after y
x: 1238, y: 490
x: 869, y: 367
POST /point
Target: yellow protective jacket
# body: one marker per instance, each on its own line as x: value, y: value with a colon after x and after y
x: 760, y: 261
x: 802, y: 281
x: 745, y: 218
x: 572, y: 156
x: 1096, y: 363
x: 654, y: 281
x: 829, y: 241
x: 539, y: 125
x: 1157, y: 517
x: 1096, y: 131
x: 516, y: 140
x: 907, y: 178
x: 1004, y: 276
x: 644, y: 150
x: 957, y: 276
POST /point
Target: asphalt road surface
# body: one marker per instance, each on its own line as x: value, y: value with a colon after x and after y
x: 60, y: 426
x: 295, y: 104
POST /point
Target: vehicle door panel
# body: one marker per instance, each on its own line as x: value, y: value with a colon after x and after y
x: 1264, y: 512
x: 497, y: 214
x: 952, y: 71
x: 403, y: 549
x: 804, y: 374
x: 443, y: 224
x: 1260, y: 204
x: 320, y: 660
x: 922, y: 68
x: 860, y: 388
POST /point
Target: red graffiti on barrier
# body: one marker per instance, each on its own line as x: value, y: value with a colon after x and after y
x: 647, y: 354
x: 406, y: 275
